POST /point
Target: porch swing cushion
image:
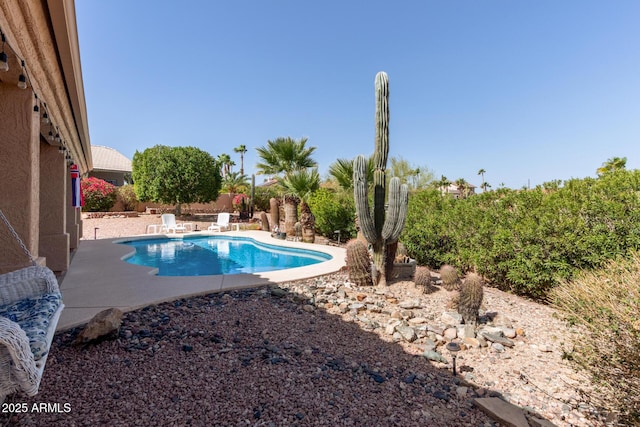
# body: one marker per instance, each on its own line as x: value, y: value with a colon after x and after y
x: 30, y: 306
x: 33, y: 315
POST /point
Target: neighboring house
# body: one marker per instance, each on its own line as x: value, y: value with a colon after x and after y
x: 268, y: 182
x: 110, y: 165
x: 453, y: 190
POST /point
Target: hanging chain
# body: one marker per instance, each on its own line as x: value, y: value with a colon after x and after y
x: 15, y: 236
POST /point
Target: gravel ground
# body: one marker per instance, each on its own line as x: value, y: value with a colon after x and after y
x: 283, y: 357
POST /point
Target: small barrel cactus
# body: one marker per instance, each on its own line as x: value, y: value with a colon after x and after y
x: 358, y: 263
x: 471, y: 295
x: 450, y: 279
x: 422, y: 278
x: 264, y: 219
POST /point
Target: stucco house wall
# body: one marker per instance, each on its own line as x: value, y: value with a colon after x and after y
x: 35, y: 190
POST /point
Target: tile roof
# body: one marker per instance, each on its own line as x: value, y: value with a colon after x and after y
x: 108, y: 159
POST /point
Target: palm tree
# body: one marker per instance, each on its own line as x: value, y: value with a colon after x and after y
x: 225, y: 162
x: 241, y: 149
x: 300, y: 185
x: 612, y: 164
x: 284, y: 156
x: 234, y: 183
x: 485, y: 185
x: 416, y: 177
x: 463, y: 187
x: 482, y: 172
x: 442, y: 184
x: 342, y: 171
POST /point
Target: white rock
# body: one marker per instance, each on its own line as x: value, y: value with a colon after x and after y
x: 451, y: 318
x: 509, y: 332
x: 410, y: 304
x: 407, y: 333
x: 466, y: 331
x: 450, y: 334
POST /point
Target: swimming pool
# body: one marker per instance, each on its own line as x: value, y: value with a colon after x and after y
x: 213, y: 255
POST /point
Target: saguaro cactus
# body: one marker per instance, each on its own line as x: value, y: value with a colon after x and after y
x: 380, y: 228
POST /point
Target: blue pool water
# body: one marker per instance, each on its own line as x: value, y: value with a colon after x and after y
x: 212, y: 255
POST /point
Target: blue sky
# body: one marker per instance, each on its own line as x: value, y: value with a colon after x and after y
x: 528, y: 91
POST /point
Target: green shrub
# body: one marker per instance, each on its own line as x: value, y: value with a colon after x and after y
x: 606, y: 302
x: 333, y: 211
x: 128, y: 196
x: 263, y: 195
x: 526, y: 241
x: 99, y: 195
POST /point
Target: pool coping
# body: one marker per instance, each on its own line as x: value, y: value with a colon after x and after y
x: 98, y: 278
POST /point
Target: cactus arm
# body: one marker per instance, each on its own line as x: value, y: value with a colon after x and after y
x: 382, y: 121
x: 362, y: 200
x: 394, y: 208
x: 403, y: 204
x: 379, y: 196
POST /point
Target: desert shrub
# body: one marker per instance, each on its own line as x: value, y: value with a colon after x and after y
x: 128, y: 197
x: 526, y: 241
x: 333, y: 211
x: 240, y: 202
x: 99, y: 195
x: 606, y: 302
x: 262, y: 196
x: 425, y: 234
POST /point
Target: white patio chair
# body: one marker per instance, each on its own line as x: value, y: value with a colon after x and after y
x: 221, y: 223
x: 169, y: 224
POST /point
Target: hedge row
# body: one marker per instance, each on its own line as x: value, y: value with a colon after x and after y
x: 526, y: 241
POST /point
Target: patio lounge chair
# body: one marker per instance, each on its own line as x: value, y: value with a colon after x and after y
x: 221, y: 223
x: 169, y: 224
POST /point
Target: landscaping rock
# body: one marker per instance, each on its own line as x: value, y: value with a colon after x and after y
x: 494, y: 338
x: 501, y: 411
x: 451, y: 318
x: 102, y: 324
x: 408, y: 334
x: 450, y: 334
x: 435, y: 356
x: 410, y: 304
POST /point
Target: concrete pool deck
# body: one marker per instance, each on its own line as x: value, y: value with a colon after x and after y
x: 98, y: 278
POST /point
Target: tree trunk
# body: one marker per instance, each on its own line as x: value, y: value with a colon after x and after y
x: 264, y: 220
x: 308, y: 222
x: 391, y: 258
x: 380, y: 263
x: 274, y: 210
x: 178, y: 209
x: 290, y: 215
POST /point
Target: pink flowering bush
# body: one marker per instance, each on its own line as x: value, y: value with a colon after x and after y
x: 99, y: 195
x: 240, y: 202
